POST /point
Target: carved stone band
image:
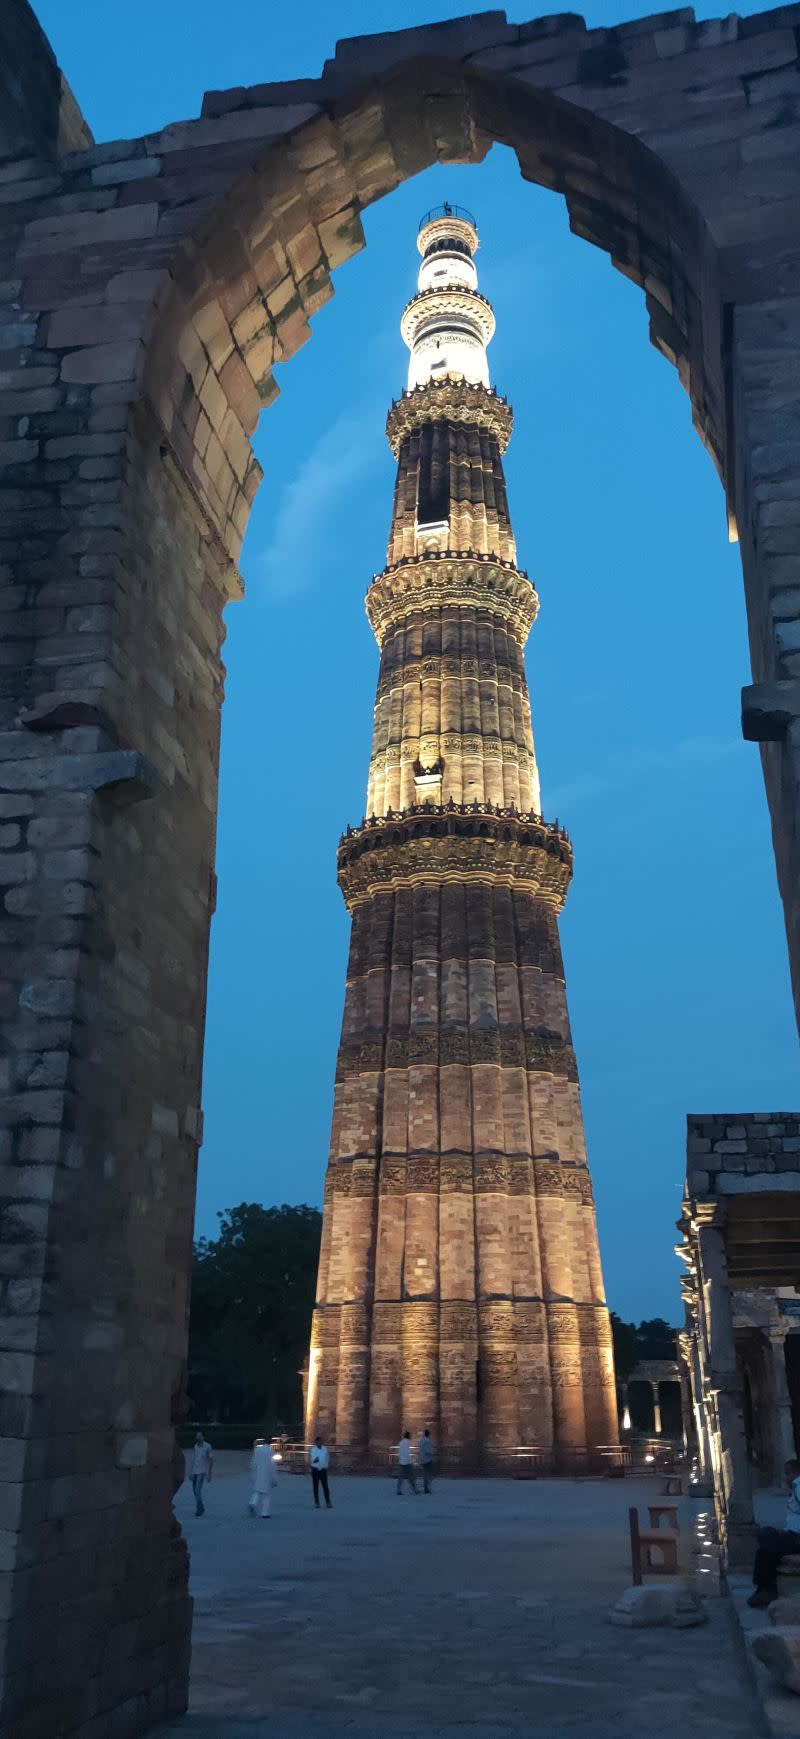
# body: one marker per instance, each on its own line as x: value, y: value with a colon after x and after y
x: 456, y: 845
x: 456, y: 401
x: 470, y: 307
x: 463, y: 581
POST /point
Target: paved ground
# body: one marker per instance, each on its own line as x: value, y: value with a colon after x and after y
x: 477, y: 1613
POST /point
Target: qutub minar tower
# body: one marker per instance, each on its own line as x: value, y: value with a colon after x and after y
x: 459, y: 1280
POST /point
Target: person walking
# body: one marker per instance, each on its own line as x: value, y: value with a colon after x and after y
x: 425, y: 1459
x: 776, y: 1543
x: 405, y: 1464
x: 262, y: 1470
x: 202, y: 1464
x: 320, y: 1461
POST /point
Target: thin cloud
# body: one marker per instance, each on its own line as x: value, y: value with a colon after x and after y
x: 624, y: 769
x: 309, y: 504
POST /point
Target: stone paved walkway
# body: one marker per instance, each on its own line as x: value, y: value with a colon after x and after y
x: 477, y: 1613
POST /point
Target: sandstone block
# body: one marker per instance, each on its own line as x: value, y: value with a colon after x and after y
x: 779, y: 1651
x: 130, y: 169
x: 242, y: 124
x: 48, y: 235
x: 100, y: 363
x: 16, y: 866
x: 73, y: 326
x: 132, y: 1451
x: 675, y: 1604
x: 18, y: 452
x: 785, y: 1611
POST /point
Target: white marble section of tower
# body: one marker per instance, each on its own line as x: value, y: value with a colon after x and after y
x: 448, y: 324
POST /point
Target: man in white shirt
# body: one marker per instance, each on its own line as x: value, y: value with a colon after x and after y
x: 202, y: 1463
x: 320, y: 1460
x: 405, y: 1464
x: 776, y: 1543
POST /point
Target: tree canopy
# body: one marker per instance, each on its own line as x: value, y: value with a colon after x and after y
x: 252, y: 1298
x: 651, y: 1339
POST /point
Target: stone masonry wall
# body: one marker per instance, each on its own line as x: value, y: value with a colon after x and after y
x: 147, y: 287
x: 747, y: 1142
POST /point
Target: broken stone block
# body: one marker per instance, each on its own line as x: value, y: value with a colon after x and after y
x: 676, y: 1605
x: 785, y: 1611
x: 779, y: 1652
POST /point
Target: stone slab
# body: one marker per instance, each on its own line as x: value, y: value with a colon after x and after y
x: 480, y: 1612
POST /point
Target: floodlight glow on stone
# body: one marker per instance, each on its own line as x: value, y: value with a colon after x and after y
x: 459, y: 1282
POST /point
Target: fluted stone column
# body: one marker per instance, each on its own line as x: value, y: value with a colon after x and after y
x: 723, y: 1382
x: 460, y: 1285
x: 783, y: 1440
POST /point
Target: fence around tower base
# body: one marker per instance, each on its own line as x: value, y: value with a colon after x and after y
x: 524, y: 1461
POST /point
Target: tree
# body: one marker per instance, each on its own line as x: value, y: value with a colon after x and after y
x: 625, y: 1348
x: 655, y: 1338
x: 651, y: 1339
x: 252, y: 1299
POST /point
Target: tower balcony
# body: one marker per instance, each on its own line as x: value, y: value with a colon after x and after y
x: 452, y: 401
x: 441, y: 579
x: 432, y: 843
x: 447, y: 224
x: 454, y: 305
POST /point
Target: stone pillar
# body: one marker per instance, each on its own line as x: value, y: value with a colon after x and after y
x: 699, y: 1407
x: 783, y: 1440
x: 656, y: 1410
x: 686, y: 1397
x: 733, y: 1489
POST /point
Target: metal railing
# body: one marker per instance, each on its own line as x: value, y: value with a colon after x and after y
x: 446, y: 210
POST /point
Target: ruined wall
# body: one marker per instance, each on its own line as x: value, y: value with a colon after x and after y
x: 753, y: 1143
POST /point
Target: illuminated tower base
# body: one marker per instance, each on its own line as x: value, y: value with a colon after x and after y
x: 459, y: 1285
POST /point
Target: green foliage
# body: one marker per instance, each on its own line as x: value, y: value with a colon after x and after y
x: 655, y: 1338
x: 221, y: 1436
x: 625, y: 1353
x: 650, y: 1339
x: 252, y: 1298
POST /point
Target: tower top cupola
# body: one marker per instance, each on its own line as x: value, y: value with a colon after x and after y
x: 447, y: 228
x: 448, y: 324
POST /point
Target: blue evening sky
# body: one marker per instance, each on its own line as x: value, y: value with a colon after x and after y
x: 673, y: 932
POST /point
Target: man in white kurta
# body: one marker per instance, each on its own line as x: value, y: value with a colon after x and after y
x: 262, y: 1470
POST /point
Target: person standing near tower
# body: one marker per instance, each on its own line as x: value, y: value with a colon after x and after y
x: 459, y: 1276
x: 202, y: 1468
x: 405, y: 1464
x: 320, y: 1460
x: 262, y: 1472
x: 425, y: 1459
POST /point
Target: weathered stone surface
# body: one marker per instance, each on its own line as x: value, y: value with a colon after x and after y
x: 778, y: 1650
x: 673, y: 1604
x: 785, y: 1612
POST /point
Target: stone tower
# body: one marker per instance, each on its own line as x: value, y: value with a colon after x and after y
x: 459, y: 1280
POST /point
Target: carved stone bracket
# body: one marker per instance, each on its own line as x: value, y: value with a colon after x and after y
x: 435, y: 844
x: 456, y: 401
x: 455, y: 578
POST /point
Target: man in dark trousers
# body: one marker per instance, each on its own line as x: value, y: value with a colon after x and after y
x: 405, y: 1463
x: 320, y: 1460
x: 777, y: 1543
x: 425, y: 1458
